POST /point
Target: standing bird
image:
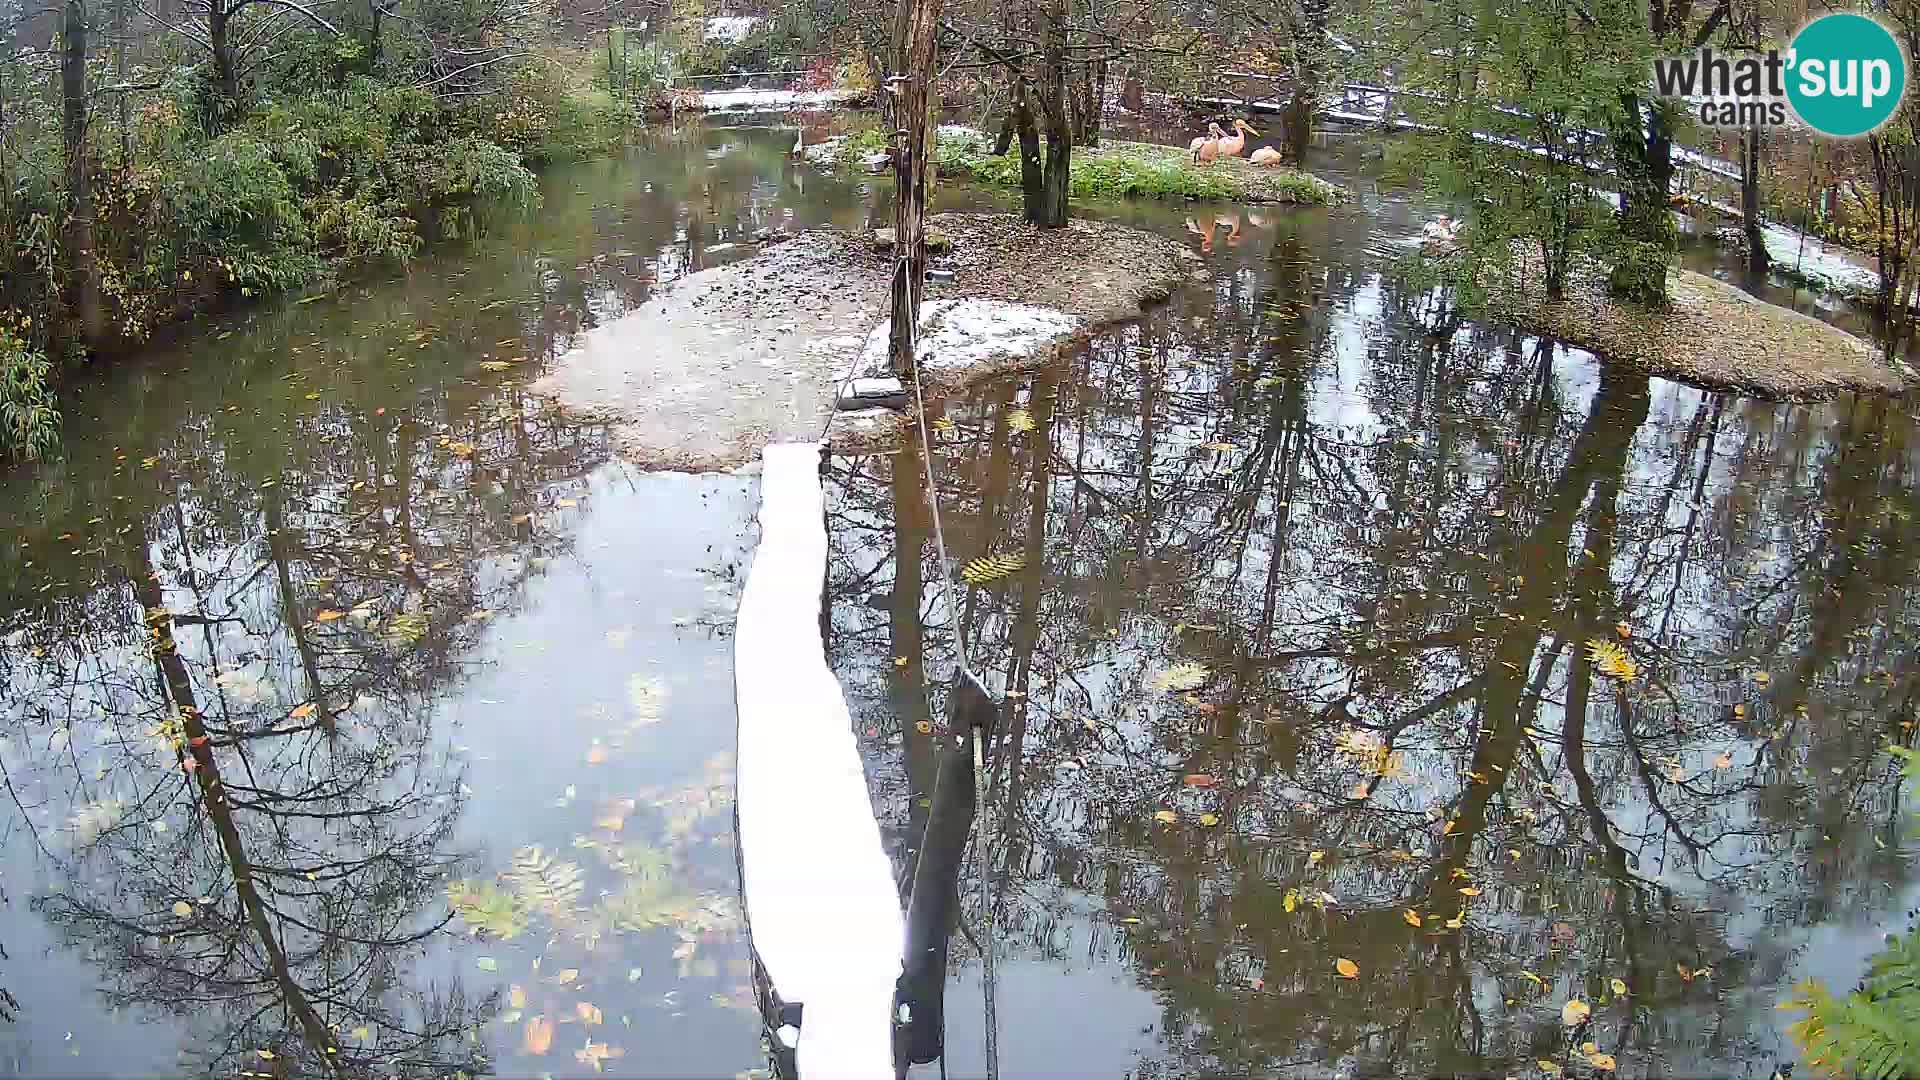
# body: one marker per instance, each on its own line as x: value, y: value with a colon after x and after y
x: 1233, y: 144
x: 1208, y: 145
x: 1266, y: 155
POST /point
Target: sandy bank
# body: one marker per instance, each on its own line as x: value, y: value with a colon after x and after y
x: 727, y: 360
x: 1714, y: 336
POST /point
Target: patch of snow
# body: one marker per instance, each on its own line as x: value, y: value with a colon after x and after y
x: 770, y: 100
x: 730, y: 29
x: 959, y: 334
x: 818, y: 885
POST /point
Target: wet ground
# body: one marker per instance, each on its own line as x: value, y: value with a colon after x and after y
x: 356, y: 709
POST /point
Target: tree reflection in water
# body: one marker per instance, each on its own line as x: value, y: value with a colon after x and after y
x: 1386, y: 550
x: 223, y: 729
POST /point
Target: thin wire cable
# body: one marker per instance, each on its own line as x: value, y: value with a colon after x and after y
x: 990, y: 1018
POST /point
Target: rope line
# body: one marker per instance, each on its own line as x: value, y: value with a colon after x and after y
x: 979, y: 844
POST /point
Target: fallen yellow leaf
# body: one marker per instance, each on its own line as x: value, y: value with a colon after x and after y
x: 538, y: 1038
x: 1459, y: 920
x: 1548, y: 1067
x: 1412, y: 917
x: 1575, y: 1012
x: 517, y: 996
x: 1166, y: 816
x: 1314, y: 857
x: 1589, y: 1047
x: 328, y: 615
x: 1292, y: 900
x: 1347, y: 968
x: 1209, y: 820
x: 567, y: 975
x: 1469, y: 891
x: 303, y: 711
x: 588, y: 1012
x: 1537, y: 980
x: 1724, y: 761
x: 1603, y: 1062
x: 182, y: 908
x: 1619, y: 987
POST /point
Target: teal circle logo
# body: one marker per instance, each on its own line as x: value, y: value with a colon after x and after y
x: 1846, y: 75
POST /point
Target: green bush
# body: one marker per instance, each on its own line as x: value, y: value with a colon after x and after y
x: 1872, y: 1033
x: 29, y: 417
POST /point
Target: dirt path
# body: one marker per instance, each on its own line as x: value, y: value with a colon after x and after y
x: 727, y: 360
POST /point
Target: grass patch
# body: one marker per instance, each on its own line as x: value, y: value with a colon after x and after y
x: 1110, y: 170
x: 1139, y: 170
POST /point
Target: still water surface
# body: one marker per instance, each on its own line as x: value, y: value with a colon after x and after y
x: 360, y: 713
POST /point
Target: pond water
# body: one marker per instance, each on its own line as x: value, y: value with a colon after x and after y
x: 361, y: 715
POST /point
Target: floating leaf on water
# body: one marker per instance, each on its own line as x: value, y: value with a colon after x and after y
x: 1347, y: 968
x: 1589, y: 1047
x: 944, y: 426
x: 1411, y: 916
x: 1575, y: 1012
x: 924, y: 727
x: 1619, y: 987
x: 1724, y: 761
x: 566, y: 975
x: 1548, y: 1067
x: 487, y: 963
x: 538, y: 1037
x: 488, y: 909
x: 182, y: 908
x: 328, y: 615
x: 302, y: 712
x: 1603, y: 1062
x: 1292, y: 900
x: 517, y: 996
x: 361, y: 1033
x: 1166, y: 816
x: 647, y: 698
x: 1469, y: 891
x: 595, y: 1053
x: 992, y: 568
x: 1612, y: 660
x: 1020, y: 420
x: 545, y: 883
x: 1459, y: 920
x: 1181, y: 676
x: 588, y: 1012
x: 1209, y: 820
x: 1219, y: 447
x: 265, y: 1055
x: 1537, y: 980
x: 1314, y: 857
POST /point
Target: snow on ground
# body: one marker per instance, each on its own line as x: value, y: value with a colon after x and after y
x: 960, y: 334
x: 730, y: 29
x: 771, y: 100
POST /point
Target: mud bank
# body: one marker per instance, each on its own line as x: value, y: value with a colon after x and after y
x: 727, y: 360
x: 1714, y: 335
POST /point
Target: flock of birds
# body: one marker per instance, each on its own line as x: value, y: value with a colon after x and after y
x: 1216, y: 143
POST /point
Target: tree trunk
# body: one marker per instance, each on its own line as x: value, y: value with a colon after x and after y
x: 1004, y: 140
x: 1750, y: 201
x: 1052, y: 211
x: 84, y: 285
x: 226, y: 78
x: 123, y: 106
x: 1313, y: 43
x: 1031, y: 178
x: 1099, y: 112
x: 373, y: 40
x: 910, y: 183
x: 1643, y: 161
